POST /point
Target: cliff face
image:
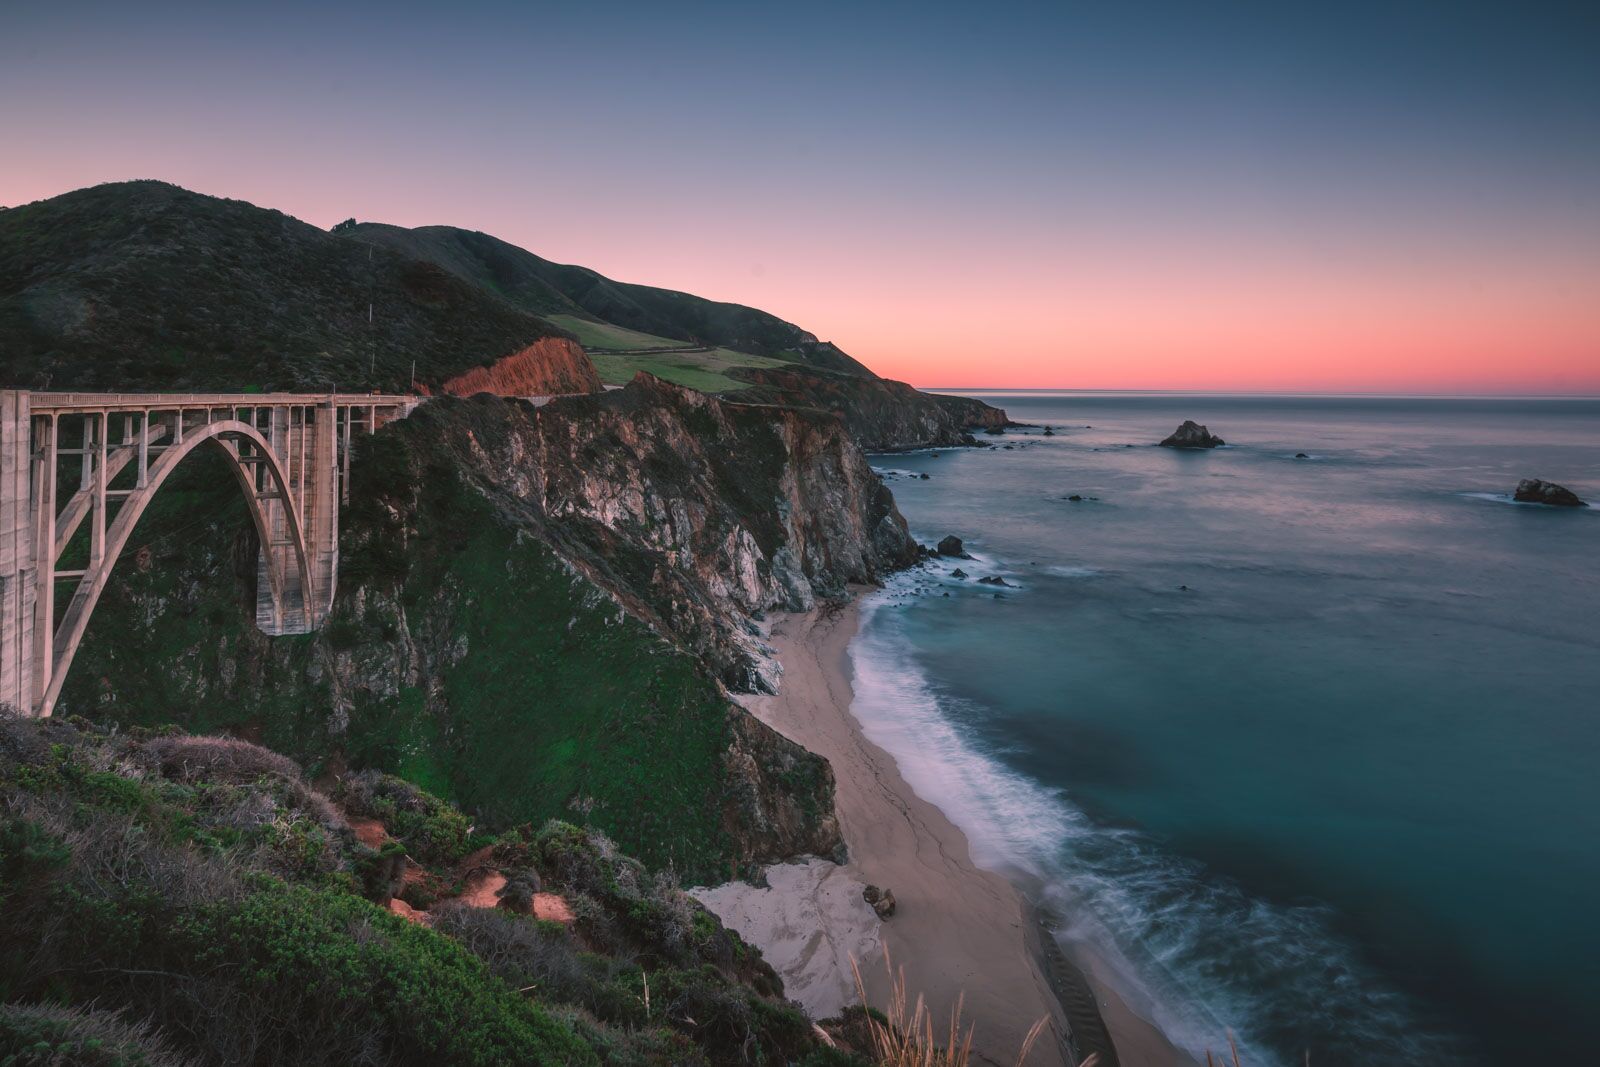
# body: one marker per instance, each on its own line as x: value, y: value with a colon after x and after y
x: 698, y: 514
x: 883, y: 415
x: 550, y: 366
x: 535, y: 607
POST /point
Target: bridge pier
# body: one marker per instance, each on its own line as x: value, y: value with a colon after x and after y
x: 285, y: 450
x: 18, y: 591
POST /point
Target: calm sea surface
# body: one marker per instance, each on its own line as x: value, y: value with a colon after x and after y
x: 1308, y: 749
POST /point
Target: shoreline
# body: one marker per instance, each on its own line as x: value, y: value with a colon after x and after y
x: 960, y: 933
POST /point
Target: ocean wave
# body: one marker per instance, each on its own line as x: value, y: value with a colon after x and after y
x: 1069, y: 571
x: 1194, y: 952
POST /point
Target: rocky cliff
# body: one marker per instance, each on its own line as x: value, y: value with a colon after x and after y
x: 883, y: 415
x: 700, y: 514
x: 540, y: 611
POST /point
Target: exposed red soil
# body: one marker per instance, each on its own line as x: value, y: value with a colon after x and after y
x: 369, y: 832
x: 481, y: 882
x: 547, y: 367
x: 406, y: 911
x: 482, y: 888
x: 553, y: 907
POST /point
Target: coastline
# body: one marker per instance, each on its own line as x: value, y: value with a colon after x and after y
x: 960, y: 932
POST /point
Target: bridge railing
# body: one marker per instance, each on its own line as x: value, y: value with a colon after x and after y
x: 167, y: 401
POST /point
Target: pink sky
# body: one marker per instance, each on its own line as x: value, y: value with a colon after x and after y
x: 1168, y: 212
x: 973, y: 305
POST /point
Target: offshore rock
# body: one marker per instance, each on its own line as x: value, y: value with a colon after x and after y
x: 1192, y: 435
x: 1539, y: 491
x: 950, y: 545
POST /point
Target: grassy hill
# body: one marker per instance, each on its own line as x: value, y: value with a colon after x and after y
x: 665, y: 316
x: 143, y: 285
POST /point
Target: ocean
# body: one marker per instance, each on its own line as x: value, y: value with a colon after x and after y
x: 1304, y: 750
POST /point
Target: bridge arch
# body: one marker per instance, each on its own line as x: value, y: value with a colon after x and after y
x: 229, y: 436
x: 289, y: 453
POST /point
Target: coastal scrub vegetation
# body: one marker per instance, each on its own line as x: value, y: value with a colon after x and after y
x: 168, y: 899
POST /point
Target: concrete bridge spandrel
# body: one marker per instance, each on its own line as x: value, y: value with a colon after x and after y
x: 289, y: 452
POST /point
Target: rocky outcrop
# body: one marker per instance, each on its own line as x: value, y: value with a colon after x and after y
x: 698, y: 514
x: 950, y: 545
x: 1539, y: 491
x: 883, y: 415
x: 779, y: 803
x: 1192, y: 435
x: 882, y: 900
x: 550, y: 366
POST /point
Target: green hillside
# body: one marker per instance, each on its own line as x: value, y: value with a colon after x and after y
x: 535, y: 284
x: 143, y: 285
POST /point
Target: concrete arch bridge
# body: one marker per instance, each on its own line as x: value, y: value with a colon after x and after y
x: 289, y: 452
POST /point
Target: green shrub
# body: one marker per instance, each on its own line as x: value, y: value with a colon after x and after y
x: 433, y: 831
x: 46, y: 1035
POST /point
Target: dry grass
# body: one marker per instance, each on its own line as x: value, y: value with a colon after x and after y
x: 906, y: 1036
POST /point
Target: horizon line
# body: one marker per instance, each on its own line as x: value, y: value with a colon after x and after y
x: 1330, y: 394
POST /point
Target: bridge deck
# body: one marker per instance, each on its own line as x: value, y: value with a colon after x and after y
x: 168, y: 401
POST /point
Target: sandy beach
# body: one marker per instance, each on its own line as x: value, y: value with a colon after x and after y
x: 959, y: 931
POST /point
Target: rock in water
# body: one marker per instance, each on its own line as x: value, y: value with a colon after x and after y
x: 1539, y: 491
x: 1192, y: 435
x: 951, y: 546
x: 1048, y: 432
x: 1301, y: 455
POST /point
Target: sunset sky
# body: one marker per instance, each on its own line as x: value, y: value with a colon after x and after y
x: 1372, y: 197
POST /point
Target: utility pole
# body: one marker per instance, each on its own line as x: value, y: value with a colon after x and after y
x: 372, y: 337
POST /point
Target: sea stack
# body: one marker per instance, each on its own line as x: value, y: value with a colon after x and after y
x: 951, y: 545
x: 1539, y: 491
x: 1192, y: 435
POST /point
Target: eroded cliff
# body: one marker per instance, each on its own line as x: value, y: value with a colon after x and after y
x: 549, y: 366
x: 700, y: 515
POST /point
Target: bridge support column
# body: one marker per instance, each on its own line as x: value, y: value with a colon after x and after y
x: 18, y: 591
x: 276, y: 565
x: 321, y: 516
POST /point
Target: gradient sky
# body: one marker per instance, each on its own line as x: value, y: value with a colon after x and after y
x: 1372, y: 197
